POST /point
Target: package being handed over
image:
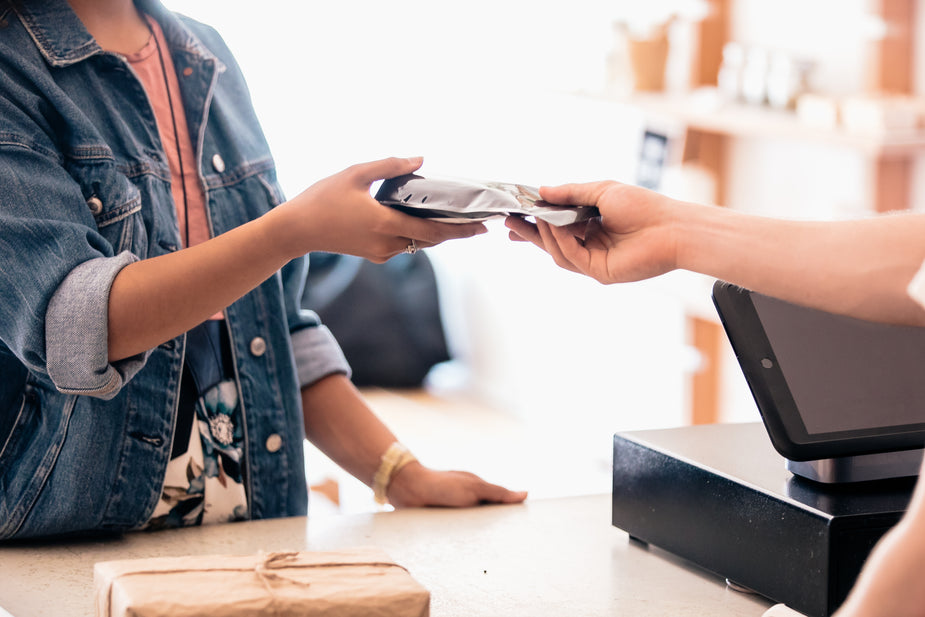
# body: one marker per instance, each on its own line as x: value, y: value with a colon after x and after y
x: 462, y: 201
x: 343, y: 583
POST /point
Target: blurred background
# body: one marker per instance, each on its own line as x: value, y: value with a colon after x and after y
x: 796, y: 108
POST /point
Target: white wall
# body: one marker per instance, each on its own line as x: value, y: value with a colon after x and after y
x: 340, y: 82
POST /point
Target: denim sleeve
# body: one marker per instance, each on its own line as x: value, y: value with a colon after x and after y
x: 317, y: 353
x: 55, y: 272
x: 77, y: 331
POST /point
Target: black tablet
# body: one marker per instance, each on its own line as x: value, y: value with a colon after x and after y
x: 827, y: 385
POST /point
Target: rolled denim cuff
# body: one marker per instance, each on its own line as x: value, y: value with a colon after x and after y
x: 77, y: 331
x: 317, y: 355
x: 916, y: 287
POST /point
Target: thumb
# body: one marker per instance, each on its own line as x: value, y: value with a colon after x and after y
x: 586, y: 194
x: 367, y: 173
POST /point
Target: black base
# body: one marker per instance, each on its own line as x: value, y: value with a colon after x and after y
x: 721, y: 497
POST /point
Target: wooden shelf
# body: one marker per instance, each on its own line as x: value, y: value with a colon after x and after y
x: 709, y: 123
x: 705, y: 111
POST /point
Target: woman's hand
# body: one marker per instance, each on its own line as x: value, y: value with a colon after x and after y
x: 631, y: 240
x: 415, y: 486
x: 339, y: 215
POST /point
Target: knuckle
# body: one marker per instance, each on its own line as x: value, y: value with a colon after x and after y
x: 380, y: 223
x: 355, y: 171
x: 610, y: 188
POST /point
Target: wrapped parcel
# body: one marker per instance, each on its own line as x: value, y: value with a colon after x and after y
x: 289, y: 584
x: 456, y: 201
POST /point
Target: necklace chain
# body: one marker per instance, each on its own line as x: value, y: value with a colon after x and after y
x: 176, y: 134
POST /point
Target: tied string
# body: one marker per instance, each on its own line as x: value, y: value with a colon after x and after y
x: 263, y: 569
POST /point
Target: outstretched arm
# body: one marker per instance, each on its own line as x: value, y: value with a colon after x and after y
x: 156, y: 299
x: 857, y: 267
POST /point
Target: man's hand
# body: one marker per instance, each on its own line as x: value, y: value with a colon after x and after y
x: 631, y: 240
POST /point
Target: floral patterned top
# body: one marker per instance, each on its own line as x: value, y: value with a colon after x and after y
x: 204, y: 482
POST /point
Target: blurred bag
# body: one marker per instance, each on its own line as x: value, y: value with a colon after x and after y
x: 386, y: 317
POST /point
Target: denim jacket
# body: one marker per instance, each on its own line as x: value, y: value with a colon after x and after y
x: 85, y: 191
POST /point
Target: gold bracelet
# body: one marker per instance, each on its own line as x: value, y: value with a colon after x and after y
x: 395, y: 457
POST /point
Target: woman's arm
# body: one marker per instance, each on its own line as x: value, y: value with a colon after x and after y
x: 341, y: 424
x: 154, y: 300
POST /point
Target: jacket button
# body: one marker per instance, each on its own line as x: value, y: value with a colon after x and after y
x: 187, y: 71
x: 274, y: 443
x: 258, y: 346
x: 218, y: 163
x: 95, y: 205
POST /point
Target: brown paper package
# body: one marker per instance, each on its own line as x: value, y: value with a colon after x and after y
x: 334, y: 584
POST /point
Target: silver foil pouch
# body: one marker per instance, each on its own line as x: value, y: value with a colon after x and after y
x: 462, y: 201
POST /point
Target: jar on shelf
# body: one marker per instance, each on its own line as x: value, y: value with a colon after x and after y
x: 786, y: 80
x: 648, y: 56
x: 754, y: 76
x: 729, y: 78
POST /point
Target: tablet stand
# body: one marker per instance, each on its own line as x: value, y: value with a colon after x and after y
x: 861, y: 468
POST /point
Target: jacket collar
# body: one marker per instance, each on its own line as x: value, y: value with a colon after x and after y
x: 58, y: 33
x: 63, y: 40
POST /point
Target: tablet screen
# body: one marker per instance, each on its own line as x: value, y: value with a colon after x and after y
x: 846, y: 374
x: 827, y: 385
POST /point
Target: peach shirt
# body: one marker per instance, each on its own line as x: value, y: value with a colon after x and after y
x: 147, y: 64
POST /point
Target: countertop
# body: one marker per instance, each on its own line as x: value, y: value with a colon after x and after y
x: 544, y: 557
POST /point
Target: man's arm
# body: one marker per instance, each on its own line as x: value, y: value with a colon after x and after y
x: 859, y: 267
x: 854, y: 267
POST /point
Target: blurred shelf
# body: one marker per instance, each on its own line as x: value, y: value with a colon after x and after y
x: 707, y: 112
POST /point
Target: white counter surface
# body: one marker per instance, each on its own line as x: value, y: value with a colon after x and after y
x: 545, y: 557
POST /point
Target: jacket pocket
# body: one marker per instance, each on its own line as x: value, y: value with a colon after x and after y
x: 120, y: 220
x: 115, y: 203
x: 27, y: 456
x: 11, y: 392
x: 10, y: 436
